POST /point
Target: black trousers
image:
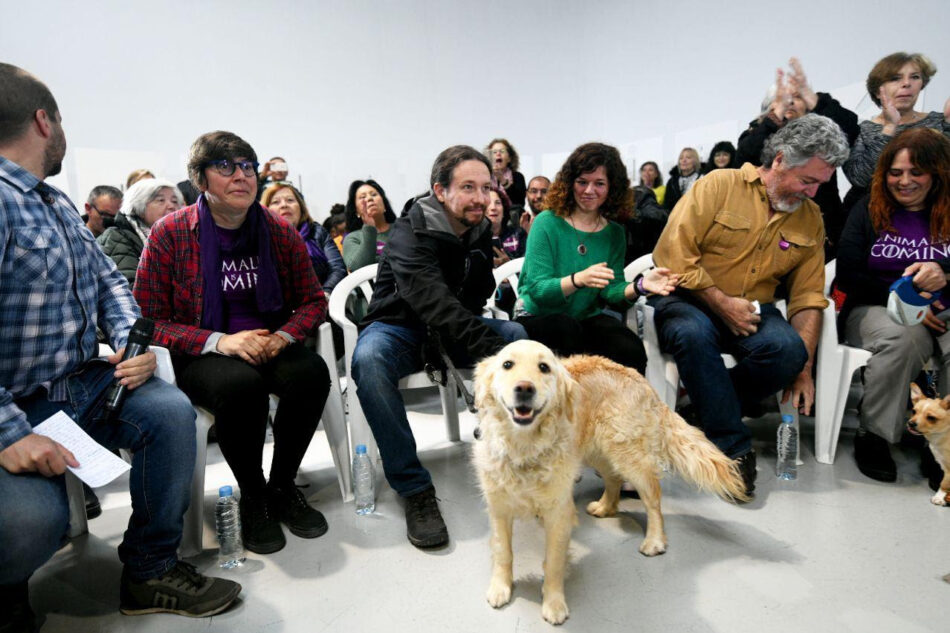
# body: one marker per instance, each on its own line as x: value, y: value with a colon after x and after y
x: 238, y: 395
x: 602, y: 335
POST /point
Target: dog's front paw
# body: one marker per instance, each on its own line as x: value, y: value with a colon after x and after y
x: 499, y: 593
x: 652, y: 547
x: 554, y: 609
x: 940, y: 498
x: 601, y: 509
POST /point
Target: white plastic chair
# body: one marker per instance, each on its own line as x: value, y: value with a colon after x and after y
x: 361, y: 281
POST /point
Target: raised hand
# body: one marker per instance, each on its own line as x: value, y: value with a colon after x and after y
x: 781, y: 99
x: 889, y: 113
x: 799, y: 84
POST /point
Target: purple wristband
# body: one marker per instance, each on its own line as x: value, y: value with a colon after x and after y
x: 639, y: 287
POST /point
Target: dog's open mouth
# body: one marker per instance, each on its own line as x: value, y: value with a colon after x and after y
x: 913, y: 430
x: 523, y: 414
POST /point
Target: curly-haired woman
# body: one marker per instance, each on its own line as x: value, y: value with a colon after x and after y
x: 574, y: 261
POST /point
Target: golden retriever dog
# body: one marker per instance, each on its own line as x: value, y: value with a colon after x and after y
x: 540, y: 417
x: 931, y: 419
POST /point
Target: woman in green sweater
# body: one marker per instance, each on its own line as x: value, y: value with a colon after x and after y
x: 574, y: 262
x: 368, y: 218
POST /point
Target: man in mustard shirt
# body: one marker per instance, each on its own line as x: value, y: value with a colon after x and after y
x: 732, y: 238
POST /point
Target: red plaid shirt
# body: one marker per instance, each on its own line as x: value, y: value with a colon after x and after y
x: 168, y: 283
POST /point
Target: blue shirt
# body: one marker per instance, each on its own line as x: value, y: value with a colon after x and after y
x: 56, y: 286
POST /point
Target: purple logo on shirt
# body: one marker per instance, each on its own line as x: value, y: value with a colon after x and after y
x: 379, y: 247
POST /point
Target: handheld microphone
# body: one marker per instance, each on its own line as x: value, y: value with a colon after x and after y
x: 140, y: 337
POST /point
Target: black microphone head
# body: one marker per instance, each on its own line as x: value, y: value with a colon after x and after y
x: 142, y: 331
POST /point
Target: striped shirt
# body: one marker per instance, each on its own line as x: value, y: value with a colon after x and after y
x: 56, y: 286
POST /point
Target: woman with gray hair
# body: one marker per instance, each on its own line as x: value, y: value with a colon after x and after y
x: 143, y: 204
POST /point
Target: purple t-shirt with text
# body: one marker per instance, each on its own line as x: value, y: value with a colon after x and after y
x: 239, y: 281
x: 892, y: 252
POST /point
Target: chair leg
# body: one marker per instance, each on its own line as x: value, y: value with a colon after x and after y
x: 193, y: 533
x: 77, y: 506
x: 334, y: 424
x: 450, y: 403
x: 828, y: 378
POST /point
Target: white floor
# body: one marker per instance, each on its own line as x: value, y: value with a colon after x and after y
x: 832, y: 551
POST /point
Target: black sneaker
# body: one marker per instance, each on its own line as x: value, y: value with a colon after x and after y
x: 746, y: 465
x: 424, y: 525
x: 259, y: 528
x: 873, y: 455
x: 181, y: 590
x: 16, y: 616
x: 93, y: 507
x: 291, y: 508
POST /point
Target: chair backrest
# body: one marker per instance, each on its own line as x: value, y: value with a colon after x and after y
x: 829, y: 277
x: 509, y: 271
x: 360, y: 280
x: 639, y: 265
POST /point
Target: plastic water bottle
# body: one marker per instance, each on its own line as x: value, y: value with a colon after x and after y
x: 787, y: 448
x: 364, y: 481
x: 227, y: 522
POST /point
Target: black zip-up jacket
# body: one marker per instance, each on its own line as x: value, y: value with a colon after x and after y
x: 429, y: 278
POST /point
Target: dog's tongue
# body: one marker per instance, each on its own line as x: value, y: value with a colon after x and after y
x: 523, y: 412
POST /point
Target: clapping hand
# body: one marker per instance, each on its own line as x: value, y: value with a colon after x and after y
x: 799, y: 85
x: 946, y: 111
x: 500, y: 256
x: 596, y: 276
x: 889, y: 112
x: 781, y: 99
x: 660, y: 281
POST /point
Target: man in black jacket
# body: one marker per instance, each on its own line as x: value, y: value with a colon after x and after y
x: 434, y: 277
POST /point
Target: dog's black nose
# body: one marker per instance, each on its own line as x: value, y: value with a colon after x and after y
x: 524, y: 390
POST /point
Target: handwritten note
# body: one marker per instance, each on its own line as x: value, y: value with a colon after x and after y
x: 97, y: 465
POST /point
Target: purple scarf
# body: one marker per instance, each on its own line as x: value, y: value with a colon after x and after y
x: 317, y: 256
x: 254, y: 230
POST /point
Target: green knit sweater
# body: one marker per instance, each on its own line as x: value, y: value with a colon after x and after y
x: 552, y: 254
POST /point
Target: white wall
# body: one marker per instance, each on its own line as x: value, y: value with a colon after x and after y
x: 363, y: 88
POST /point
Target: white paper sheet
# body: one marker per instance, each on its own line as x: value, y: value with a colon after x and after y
x: 97, y: 465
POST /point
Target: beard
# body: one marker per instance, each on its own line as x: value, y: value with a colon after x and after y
x: 785, y: 204
x: 54, y: 154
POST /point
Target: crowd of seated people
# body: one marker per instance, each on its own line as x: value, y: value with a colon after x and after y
x: 235, y: 286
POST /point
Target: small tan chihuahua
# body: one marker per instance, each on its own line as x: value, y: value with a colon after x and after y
x: 931, y: 419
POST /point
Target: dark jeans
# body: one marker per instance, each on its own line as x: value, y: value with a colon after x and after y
x: 384, y: 354
x: 238, y: 394
x: 602, y: 335
x: 157, y: 424
x: 767, y: 361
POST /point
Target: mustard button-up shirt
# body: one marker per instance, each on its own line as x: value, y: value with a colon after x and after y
x: 720, y: 234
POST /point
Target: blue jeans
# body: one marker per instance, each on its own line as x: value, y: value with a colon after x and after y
x: 767, y: 361
x: 157, y: 423
x: 384, y: 354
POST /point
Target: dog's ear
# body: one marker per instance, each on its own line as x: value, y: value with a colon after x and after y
x: 945, y: 403
x: 484, y: 374
x: 566, y: 387
x: 915, y: 393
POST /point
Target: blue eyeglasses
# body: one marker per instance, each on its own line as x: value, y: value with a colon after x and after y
x: 226, y: 167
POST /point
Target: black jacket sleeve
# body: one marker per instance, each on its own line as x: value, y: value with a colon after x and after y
x: 846, y: 119
x: 751, y: 142
x: 851, y: 270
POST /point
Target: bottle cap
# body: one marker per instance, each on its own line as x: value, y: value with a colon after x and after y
x: 225, y: 491
x: 361, y: 449
x: 788, y: 418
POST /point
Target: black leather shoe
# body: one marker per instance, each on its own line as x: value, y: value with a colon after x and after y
x: 93, y: 507
x: 746, y: 465
x: 424, y: 525
x: 873, y: 455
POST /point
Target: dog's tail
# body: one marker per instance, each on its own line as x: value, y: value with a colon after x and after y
x: 699, y: 461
